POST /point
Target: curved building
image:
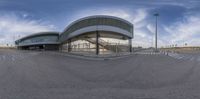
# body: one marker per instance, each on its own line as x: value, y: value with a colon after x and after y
x: 39, y: 41
x: 94, y: 34
x: 93, y: 28
x: 106, y: 24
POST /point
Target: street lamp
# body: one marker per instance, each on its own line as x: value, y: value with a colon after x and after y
x: 156, y: 42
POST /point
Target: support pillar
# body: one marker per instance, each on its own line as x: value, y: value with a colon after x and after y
x: 69, y: 45
x: 97, y: 42
x: 130, y: 45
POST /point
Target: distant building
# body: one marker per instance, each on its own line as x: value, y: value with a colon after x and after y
x: 39, y: 41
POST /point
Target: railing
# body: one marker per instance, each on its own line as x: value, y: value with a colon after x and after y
x: 115, y: 47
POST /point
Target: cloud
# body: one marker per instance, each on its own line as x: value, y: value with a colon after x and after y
x: 185, y: 31
x: 141, y: 38
x: 140, y: 16
x: 135, y: 16
x: 151, y: 28
x: 15, y: 25
x: 184, y: 3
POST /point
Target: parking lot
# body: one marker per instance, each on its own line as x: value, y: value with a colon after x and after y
x: 50, y: 75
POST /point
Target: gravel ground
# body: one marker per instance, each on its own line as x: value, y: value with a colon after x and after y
x: 46, y: 75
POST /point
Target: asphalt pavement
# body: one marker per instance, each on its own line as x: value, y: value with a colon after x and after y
x: 50, y: 75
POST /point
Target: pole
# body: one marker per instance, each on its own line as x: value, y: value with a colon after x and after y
x: 156, y: 34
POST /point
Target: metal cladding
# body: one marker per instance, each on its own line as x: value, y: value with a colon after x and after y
x: 39, y: 38
x: 97, y: 23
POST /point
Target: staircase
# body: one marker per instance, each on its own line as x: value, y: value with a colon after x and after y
x: 108, y: 46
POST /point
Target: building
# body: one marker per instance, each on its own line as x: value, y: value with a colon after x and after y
x: 98, y: 34
x: 39, y: 41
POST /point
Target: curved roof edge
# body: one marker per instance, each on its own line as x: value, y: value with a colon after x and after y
x: 93, y: 29
x: 38, y: 34
x: 96, y: 16
x: 43, y: 43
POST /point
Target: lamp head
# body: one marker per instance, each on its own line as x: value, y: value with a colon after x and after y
x: 156, y: 14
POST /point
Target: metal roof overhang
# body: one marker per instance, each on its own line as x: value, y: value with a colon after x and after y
x: 39, y: 43
x: 113, y: 30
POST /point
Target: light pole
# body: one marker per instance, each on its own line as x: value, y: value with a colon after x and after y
x: 156, y: 34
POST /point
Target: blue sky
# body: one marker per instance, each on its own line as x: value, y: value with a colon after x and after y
x: 179, y: 20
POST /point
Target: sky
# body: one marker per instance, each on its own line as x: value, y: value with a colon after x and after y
x: 178, y: 23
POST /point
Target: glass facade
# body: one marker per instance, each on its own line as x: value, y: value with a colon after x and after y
x: 88, y: 46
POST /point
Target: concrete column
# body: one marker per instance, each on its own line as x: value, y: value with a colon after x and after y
x: 130, y: 45
x: 89, y: 47
x: 97, y: 42
x: 78, y: 47
x: 61, y: 47
x: 69, y: 45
